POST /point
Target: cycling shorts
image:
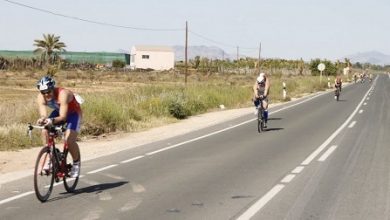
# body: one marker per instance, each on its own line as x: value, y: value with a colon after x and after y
x: 73, y: 120
x: 256, y: 102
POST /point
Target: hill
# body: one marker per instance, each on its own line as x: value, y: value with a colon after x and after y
x: 373, y: 57
x: 202, y: 51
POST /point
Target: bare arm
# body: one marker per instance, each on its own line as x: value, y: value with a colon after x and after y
x: 255, y: 95
x: 267, y: 86
x: 41, y: 106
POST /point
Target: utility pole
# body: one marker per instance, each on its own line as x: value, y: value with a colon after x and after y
x: 258, y: 61
x: 238, y: 56
x: 185, y: 56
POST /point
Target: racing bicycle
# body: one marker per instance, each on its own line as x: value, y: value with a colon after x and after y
x: 260, y: 117
x: 52, y: 164
x: 337, y: 93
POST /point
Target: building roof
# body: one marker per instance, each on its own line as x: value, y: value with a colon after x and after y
x: 153, y: 48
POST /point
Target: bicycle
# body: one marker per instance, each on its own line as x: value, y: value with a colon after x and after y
x: 260, y: 117
x: 52, y: 164
x: 337, y: 93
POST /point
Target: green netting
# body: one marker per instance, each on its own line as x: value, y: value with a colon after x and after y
x: 73, y: 57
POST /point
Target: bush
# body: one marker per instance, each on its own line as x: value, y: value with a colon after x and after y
x: 178, y: 110
x: 118, y: 64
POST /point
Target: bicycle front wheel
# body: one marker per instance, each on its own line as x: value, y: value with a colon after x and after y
x: 260, y: 121
x: 43, y: 175
x: 69, y: 183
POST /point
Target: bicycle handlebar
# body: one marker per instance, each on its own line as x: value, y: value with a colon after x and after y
x: 52, y: 128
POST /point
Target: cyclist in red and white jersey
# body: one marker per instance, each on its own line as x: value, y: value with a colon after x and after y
x: 65, y: 109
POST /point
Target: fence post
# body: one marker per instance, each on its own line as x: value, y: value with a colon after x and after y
x: 284, y: 91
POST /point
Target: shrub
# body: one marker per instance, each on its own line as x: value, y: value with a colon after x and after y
x: 118, y: 64
x: 178, y: 110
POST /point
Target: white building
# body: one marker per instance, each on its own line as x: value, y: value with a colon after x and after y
x: 152, y: 57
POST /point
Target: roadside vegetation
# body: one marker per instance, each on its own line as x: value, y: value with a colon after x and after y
x: 118, y: 100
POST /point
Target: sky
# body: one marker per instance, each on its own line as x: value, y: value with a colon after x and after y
x: 288, y: 29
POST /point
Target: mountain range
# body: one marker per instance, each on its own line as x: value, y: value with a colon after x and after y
x: 212, y: 52
x: 372, y: 57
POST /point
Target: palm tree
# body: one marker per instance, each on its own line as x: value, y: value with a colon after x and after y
x: 49, y: 47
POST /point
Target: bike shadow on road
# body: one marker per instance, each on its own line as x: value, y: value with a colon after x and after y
x: 274, y: 119
x: 273, y: 129
x: 98, y: 188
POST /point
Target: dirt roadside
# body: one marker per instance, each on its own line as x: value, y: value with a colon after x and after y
x: 18, y: 164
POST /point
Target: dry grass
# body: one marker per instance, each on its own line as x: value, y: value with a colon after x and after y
x: 132, y: 101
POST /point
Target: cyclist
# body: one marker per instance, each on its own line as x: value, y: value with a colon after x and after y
x: 65, y: 110
x: 260, y: 92
x: 338, y: 83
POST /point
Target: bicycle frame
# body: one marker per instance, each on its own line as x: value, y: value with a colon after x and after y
x: 260, y: 116
x: 58, y: 168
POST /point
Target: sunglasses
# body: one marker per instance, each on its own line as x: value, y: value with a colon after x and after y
x: 45, y: 92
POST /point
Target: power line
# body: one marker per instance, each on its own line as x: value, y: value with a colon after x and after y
x: 220, y: 43
x: 90, y: 21
x: 122, y: 26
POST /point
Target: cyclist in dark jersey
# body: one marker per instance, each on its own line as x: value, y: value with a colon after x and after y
x: 261, y: 92
x: 65, y: 109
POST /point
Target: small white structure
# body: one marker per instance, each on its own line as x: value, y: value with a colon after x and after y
x: 152, y: 57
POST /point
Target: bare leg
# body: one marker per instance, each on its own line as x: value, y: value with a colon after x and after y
x: 71, y: 137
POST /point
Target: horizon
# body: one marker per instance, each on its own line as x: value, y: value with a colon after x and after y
x: 288, y: 30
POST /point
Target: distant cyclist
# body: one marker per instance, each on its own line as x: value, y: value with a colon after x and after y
x: 338, y: 81
x: 261, y: 92
x: 65, y: 109
x: 338, y: 84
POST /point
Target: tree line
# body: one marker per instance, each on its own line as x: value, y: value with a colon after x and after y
x: 49, y: 48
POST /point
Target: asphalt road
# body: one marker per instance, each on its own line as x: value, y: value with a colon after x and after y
x: 318, y: 159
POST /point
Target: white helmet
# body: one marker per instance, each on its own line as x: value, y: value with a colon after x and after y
x: 261, y: 78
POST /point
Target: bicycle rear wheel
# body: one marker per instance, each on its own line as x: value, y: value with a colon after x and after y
x: 69, y: 183
x: 260, y: 121
x: 43, y: 175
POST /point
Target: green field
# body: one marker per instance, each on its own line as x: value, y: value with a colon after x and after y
x: 73, y: 57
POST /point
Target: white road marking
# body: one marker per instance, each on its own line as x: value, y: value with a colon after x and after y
x: 137, y: 188
x: 298, y: 169
x: 154, y: 152
x: 352, y: 124
x: 114, y: 176
x: 288, y: 178
x: 132, y: 204
x: 104, y: 196
x: 249, y: 213
x: 361, y: 111
x: 132, y: 159
x: 261, y: 202
x: 103, y: 168
x: 327, y: 153
x: 94, y: 214
x: 16, y: 197
x: 225, y: 129
x: 323, y: 145
x: 365, y: 103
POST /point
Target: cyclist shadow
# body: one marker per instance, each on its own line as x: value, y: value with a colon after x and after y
x: 273, y: 129
x: 98, y: 188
